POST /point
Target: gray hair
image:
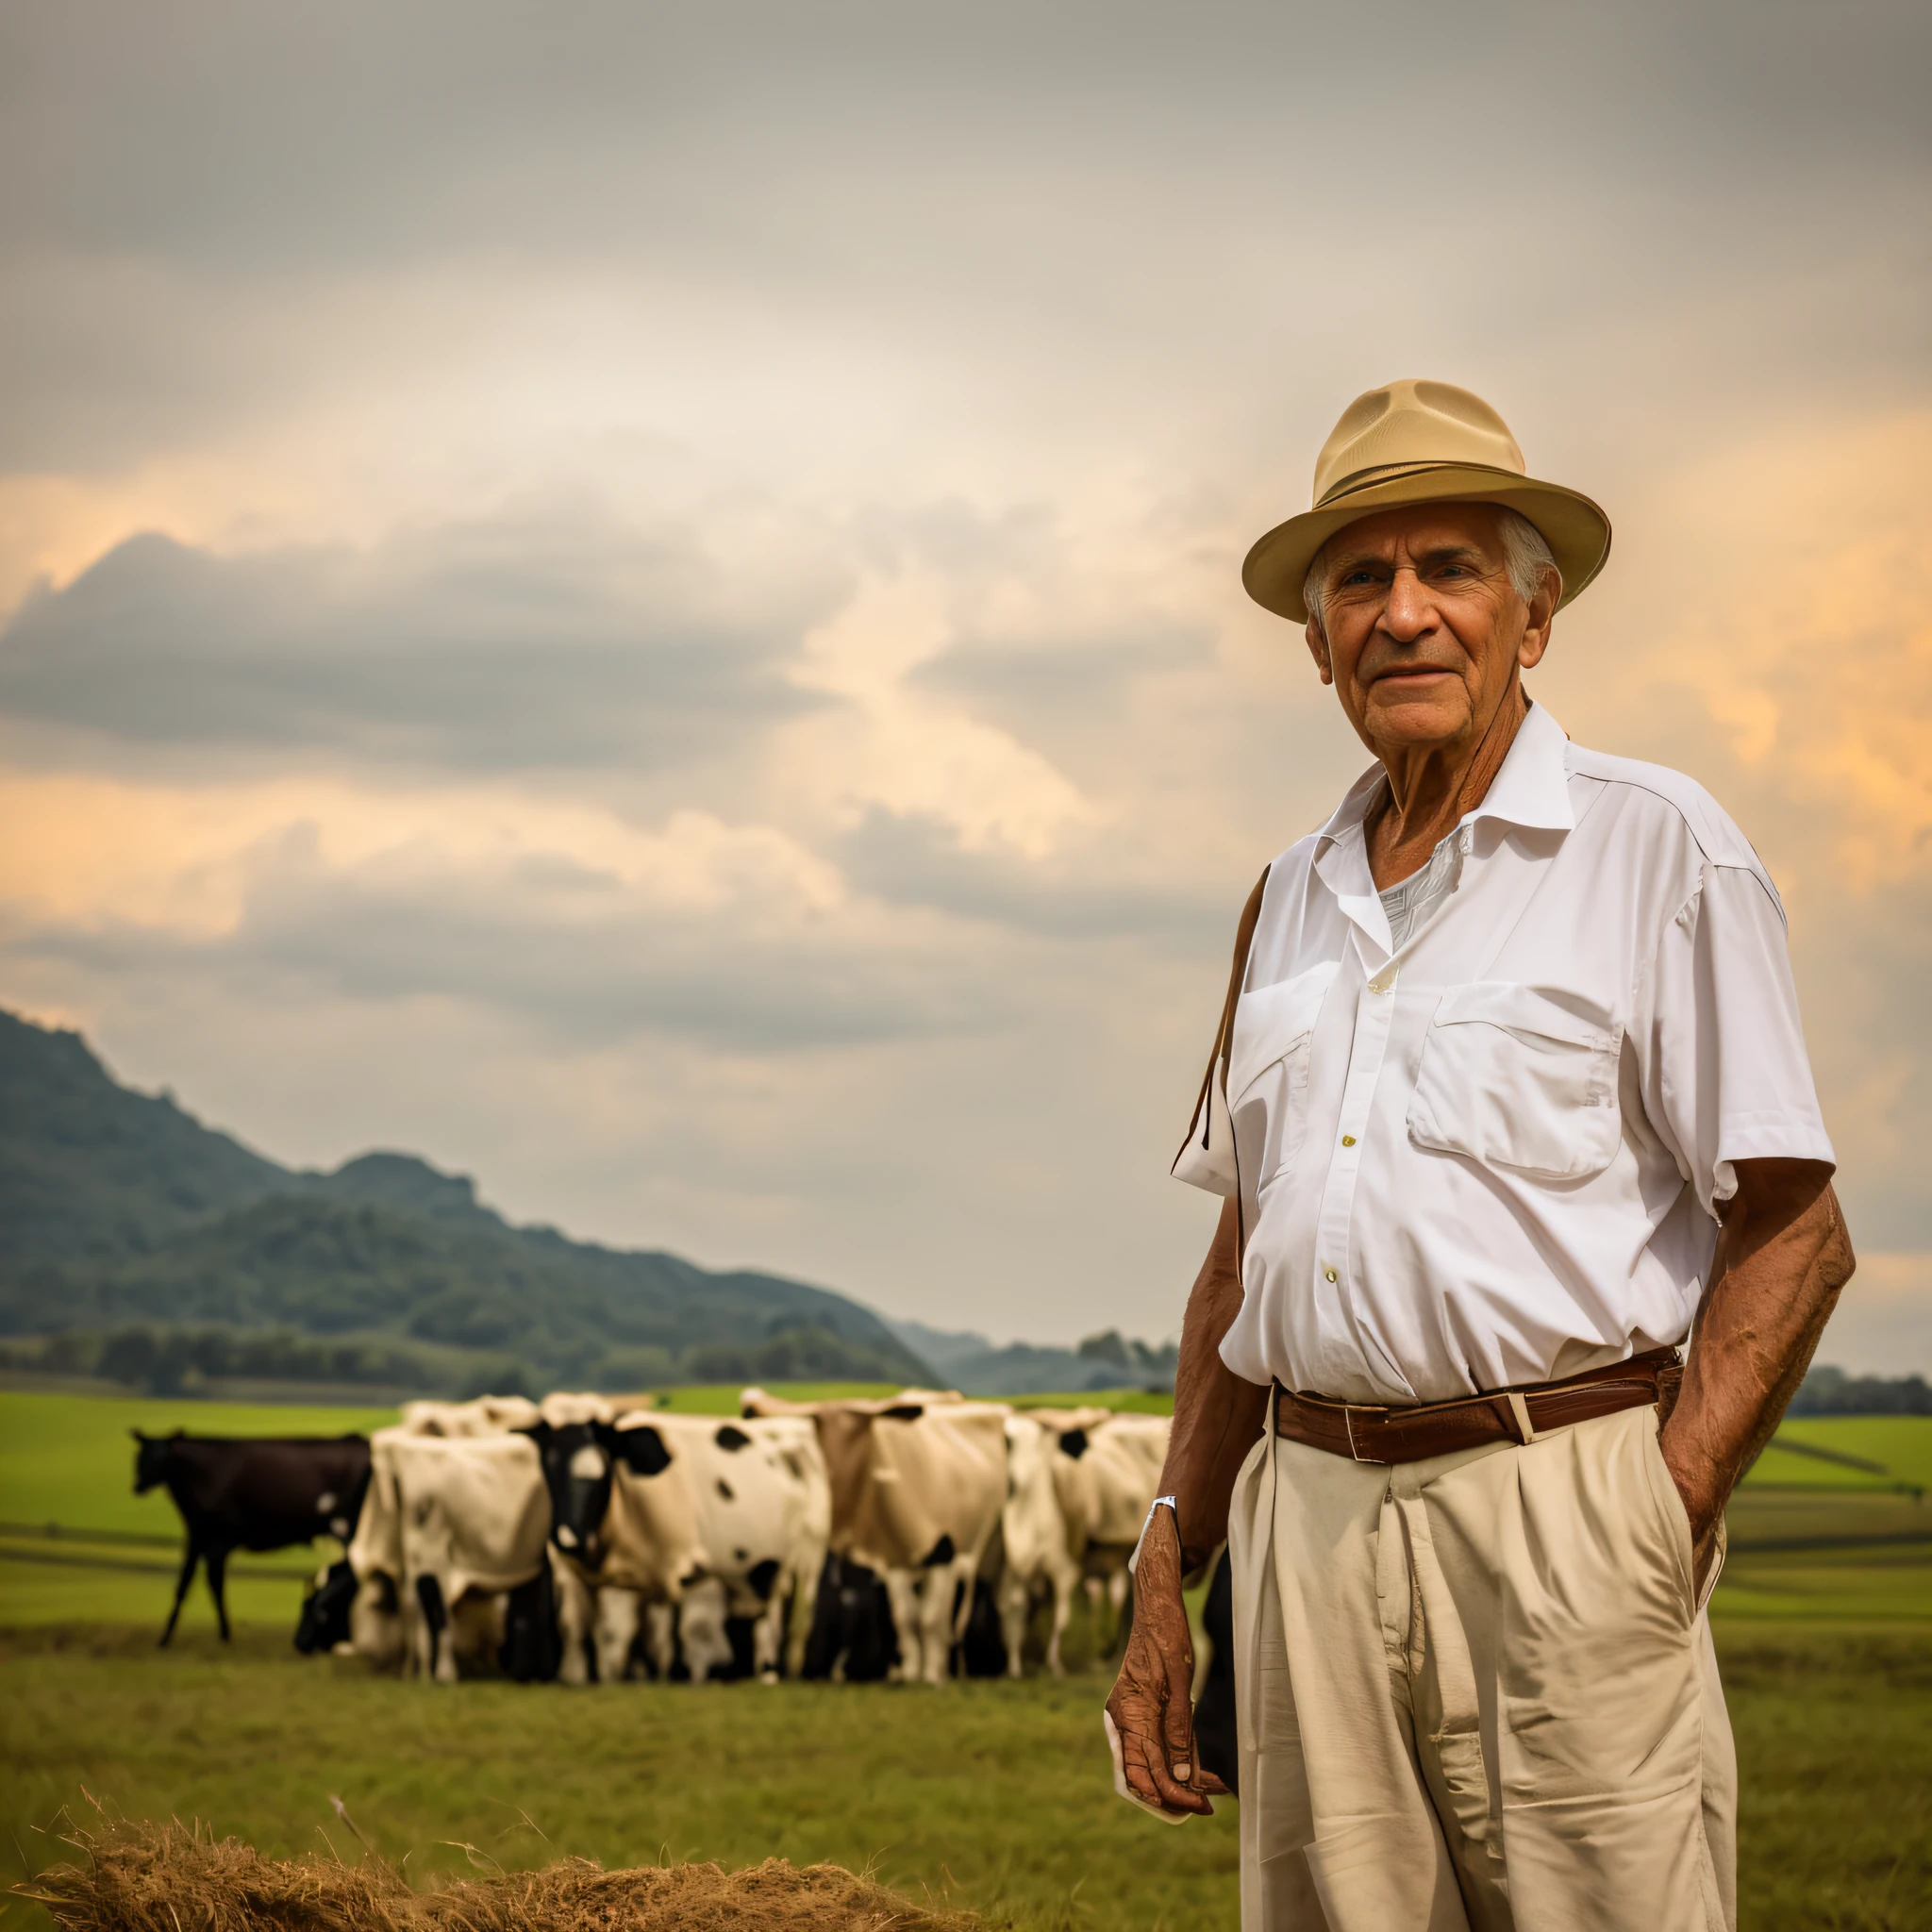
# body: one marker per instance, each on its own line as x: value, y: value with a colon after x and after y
x: 1526, y: 556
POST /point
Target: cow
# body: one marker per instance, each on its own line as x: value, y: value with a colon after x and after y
x: 624, y: 1532
x: 1037, y: 1551
x: 451, y: 1524
x: 764, y: 1513
x: 1107, y: 1476
x: 917, y: 1481
x: 484, y: 1415
x: 851, y: 1638
x: 712, y: 1530
x: 239, y: 1493
x: 327, y: 1610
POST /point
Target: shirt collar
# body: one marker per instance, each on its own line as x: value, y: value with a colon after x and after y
x: 1532, y: 788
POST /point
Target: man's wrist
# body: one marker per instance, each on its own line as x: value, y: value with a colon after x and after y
x: 1161, y: 1530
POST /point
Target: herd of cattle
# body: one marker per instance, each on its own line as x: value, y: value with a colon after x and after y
x: 590, y: 1538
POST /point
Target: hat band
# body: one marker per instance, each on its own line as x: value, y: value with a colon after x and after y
x: 1359, y: 480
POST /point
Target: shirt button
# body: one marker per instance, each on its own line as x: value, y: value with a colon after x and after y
x: 1379, y: 986
x: 1348, y: 1140
x: 1328, y: 1274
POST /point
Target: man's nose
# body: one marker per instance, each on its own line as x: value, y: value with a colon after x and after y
x: 1408, y: 611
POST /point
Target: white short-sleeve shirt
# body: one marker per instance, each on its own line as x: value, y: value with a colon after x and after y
x: 1494, y: 1156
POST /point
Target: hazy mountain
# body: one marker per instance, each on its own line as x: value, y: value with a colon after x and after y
x: 120, y: 1211
x: 976, y: 1366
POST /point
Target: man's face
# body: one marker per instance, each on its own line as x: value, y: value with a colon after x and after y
x: 1420, y: 628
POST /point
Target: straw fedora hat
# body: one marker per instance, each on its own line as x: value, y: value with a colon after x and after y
x: 1422, y: 443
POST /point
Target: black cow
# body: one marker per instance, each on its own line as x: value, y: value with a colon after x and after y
x: 324, y: 1619
x: 982, y: 1651
x: 238, y: 1492
x: 852, y: 1634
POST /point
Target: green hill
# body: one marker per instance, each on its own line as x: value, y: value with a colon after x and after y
x: 159, y: 1251
x: 87, y: 1168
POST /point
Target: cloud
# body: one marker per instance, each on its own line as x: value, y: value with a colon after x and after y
x: 511, y: 645
x: 910, y: 859
x: 651, y: 606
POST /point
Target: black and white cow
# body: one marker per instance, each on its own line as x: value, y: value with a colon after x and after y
x: 623, y: 1533
x: 250, y: 1493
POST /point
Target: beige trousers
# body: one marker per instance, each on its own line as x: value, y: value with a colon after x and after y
x: 1478, y: 1693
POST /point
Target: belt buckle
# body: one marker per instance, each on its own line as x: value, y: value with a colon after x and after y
x: 1348, y: 1424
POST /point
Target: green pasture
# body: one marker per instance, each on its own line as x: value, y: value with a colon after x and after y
x: 993, y: 1794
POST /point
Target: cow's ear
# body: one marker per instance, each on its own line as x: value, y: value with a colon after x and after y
x: 137, y: 1435
x: 642, y: 1451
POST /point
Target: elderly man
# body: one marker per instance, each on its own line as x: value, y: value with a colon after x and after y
x: 1509, y: 1099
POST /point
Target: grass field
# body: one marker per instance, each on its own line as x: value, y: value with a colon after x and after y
x: 994, y: 1795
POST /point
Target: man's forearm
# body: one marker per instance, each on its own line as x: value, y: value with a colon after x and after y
x: 1782, y: 1259
x: 1217, y: 1415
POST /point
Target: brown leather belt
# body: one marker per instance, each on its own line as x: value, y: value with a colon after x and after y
x: 1500, y: 1415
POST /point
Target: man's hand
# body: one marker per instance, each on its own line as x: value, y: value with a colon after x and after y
x: 1782, y: 1259
x: 1151, y: 1705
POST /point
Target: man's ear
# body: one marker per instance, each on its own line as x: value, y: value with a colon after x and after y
x: 1318, y: 650
x: 1539, y: 620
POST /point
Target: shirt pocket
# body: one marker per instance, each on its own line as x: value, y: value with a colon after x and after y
x: 1268, y: 1068
x: 1512, y: 1078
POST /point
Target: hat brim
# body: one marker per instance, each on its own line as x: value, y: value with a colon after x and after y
x: 1577, y: 532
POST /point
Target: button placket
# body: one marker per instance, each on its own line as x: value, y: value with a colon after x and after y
x: 1373, y: 1022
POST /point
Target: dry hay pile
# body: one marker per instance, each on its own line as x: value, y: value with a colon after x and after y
x: 168, y: 1878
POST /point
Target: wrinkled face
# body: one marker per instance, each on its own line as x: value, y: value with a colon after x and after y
x: 1420, y: 628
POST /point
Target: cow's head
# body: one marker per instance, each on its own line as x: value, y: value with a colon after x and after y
x: 151, y: 1460
x: 577, y: 1472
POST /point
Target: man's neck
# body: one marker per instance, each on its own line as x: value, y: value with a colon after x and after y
x: 1430, y: 789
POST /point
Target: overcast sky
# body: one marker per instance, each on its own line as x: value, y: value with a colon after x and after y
x: 644, y: 601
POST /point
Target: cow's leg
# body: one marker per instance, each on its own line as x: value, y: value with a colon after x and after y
x: 617, y: 1617
x: 190, y: 1559
x: 575, y: 1614
x: 701, y: 1629
x: 1015, y: 1595
x: 1118, y: 1584
x: 768, y: 1633
x: 660, y: 1624
x: 435, y: 1659
x: 902, y: 1592
x: 805, y: 1607
x: 1063, y: 1582
x: 375, y: 1631
x: 937, y: 1626
x: 1097, y: 1592
x: 218, y: 1587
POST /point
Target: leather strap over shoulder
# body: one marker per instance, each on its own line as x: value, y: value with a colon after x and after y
x: 1201, y: 1125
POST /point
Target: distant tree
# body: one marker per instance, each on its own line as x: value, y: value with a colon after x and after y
x: 1831, y: 1392
x: 1106, y: 1347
